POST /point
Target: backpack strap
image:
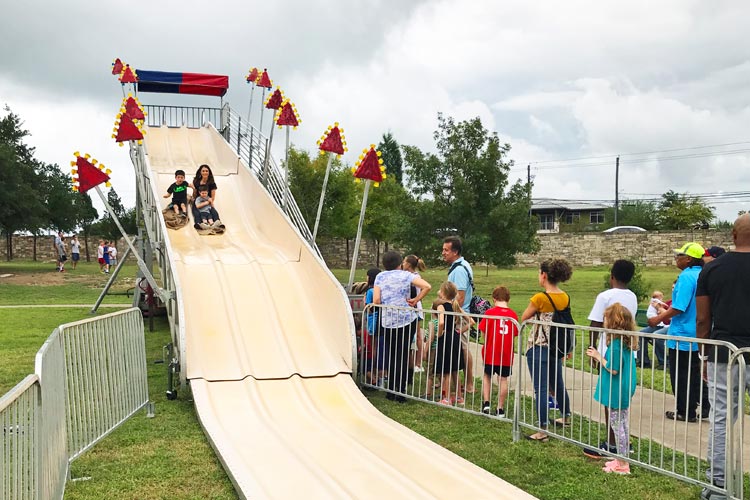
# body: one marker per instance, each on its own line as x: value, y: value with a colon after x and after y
x: 471, y: 280
x: 553, y: 302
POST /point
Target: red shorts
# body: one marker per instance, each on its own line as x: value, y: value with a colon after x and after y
x: 101, y: 260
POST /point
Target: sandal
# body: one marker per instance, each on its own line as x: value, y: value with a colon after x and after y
x: 540, y: 439
x: 565, y: 422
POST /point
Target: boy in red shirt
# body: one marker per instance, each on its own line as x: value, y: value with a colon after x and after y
x: 498, y: 348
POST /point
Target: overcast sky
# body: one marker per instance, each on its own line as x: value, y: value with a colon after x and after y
x: 557, y: 80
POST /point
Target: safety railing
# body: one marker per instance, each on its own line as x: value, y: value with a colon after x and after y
x: 252, y: 147
x: 156, y: 230
x: 486, y: 366
x: 90, y: 377
x: 181, y: 116
x: 730, y: 417
x: 105, y: 363
x: 20, y: 412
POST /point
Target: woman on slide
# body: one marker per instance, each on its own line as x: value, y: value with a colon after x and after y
x: 204, y: 176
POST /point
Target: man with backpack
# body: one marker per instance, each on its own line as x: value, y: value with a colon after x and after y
x: 619, y: 278
x: 461, y: 275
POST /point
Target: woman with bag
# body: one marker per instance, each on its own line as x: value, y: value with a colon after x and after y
x: 545, y: 363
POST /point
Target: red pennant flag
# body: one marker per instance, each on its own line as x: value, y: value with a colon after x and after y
x: 371, y: 167
x: 252, y: 77
x: 264, y: 81
x: 117, y: 67
x: 274, y: 100
x: 128, y: 75
x: 127, y: 130
x: 133, y: 109
x: 89, y: 176
x: 333, y: 141
x: 287, y: 116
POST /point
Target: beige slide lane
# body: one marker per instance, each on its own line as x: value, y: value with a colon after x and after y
x: 269, y: 354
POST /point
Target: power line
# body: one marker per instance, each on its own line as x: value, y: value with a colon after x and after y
x: 635, y: 161
x: 614, y: 155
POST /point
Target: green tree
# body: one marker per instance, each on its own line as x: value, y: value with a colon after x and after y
x: 86, y: 215
x: 638, y: 285
x: 641, y: 213
x: 106, y: 227
x: 340, y: 207
x: 21, y: 205
x: 385, y: 215
x: 680, y: 211
x: 467, y: 181
x: 392, y: 159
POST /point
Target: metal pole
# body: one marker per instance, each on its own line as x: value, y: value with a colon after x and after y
x: 250, y: 108
x: 141, y: 265
x: 286, y: 169
x: 322, y: 196
x: 528, y: 184
x: 262, y: 108
x: 359, y: 236
x: 267, y: 158
x: 617, y: 187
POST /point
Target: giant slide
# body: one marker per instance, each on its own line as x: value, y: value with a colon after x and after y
x: 269, y: 353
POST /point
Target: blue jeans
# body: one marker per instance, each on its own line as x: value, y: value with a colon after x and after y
x: 658, y: 345
x: 721, y: 415
x: 547, y: 373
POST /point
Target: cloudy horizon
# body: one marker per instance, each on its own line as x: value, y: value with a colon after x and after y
x: 556, y: 81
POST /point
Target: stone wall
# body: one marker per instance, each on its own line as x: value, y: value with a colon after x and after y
x: 23, y: 248
x: 334, y: 252
x: 653, y: 248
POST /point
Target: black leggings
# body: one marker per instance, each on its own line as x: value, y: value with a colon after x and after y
x: 397, y: 343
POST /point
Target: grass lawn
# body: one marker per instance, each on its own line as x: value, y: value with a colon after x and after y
x: 169, y: 457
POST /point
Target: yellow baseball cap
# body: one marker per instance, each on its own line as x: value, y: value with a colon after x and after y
x: 691, y: 249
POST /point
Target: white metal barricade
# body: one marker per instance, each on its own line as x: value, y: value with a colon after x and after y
x: 19, y: 448
x: 678, y: 447
x: 90, y: 377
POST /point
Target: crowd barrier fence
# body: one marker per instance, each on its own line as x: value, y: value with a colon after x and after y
x: 409, y: 354
x: 90, y: 376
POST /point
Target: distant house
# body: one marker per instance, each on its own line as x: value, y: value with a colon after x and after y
x: 552, y: 213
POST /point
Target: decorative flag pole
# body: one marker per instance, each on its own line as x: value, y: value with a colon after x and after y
x: 128, y: 127
x: 369, y: 167
x: 91, y: 176
x: 274, y: 102
x: 251, y: 78
x: 117, y: 68
x: 287, y: 116
x: 128, y: 75
x: 334, y: 143
x: 265, y: 82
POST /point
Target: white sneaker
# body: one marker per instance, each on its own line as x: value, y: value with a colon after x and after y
x: 204, y: 225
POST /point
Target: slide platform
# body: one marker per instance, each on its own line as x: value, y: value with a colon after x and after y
x: 269, y: 344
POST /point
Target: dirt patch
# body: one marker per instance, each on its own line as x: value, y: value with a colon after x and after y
x: 37, y: 279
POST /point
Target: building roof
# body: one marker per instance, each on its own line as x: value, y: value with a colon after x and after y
x: 540, y: 204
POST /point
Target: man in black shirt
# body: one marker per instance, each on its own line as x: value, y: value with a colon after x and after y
x: 722, y: 300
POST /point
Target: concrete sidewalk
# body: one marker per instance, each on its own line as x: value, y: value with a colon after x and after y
x: 647, y: 419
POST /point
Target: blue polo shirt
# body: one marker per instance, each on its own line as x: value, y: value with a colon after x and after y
x: 683, y: 298
x: 460, y: 277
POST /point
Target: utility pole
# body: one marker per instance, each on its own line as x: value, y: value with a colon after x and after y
x: 617, y: 187
x: 528, y: 186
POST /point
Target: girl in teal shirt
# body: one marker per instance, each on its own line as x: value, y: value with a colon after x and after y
x: 617, y: 379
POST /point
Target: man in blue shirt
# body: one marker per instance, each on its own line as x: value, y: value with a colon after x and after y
x: 461, y: 275
x: 683, y: 360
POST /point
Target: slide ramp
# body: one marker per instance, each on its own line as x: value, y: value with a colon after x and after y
x: 269, y: 344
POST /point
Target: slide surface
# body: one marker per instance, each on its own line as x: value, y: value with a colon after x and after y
x: 269, y: 353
